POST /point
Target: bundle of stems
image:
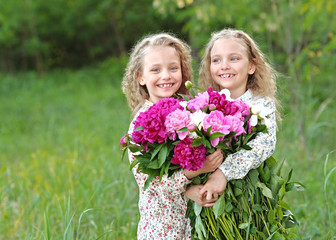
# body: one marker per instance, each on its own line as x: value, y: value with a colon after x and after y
x: 250, y: 208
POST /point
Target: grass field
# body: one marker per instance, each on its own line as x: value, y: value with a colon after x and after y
x: 61, y: 176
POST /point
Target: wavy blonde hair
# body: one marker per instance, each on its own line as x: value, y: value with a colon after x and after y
x: 135, y: 93
x: 262, y: 82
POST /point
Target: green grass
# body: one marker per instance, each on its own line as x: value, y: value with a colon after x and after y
x: 61, y: 176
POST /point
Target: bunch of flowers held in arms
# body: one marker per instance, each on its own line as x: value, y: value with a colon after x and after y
x: 179, y: 132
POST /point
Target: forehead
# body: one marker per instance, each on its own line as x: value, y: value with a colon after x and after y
x: 160, y: 50
x: 228, y: 46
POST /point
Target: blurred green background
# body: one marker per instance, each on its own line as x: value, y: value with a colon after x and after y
x: 62, y: 111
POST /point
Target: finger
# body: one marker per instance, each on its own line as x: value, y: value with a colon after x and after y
x: 203, y: 190
x: 209, y: 196
x: 209, y: 204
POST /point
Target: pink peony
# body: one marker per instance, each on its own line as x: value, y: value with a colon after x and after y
x: 175, y: 121
x: 235, y: 123
x: 215, y: 119
x: 199, y: 102
x: 188, y: 157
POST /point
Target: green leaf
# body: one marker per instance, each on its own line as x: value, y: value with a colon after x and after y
x: 184, y: 129
x: 284, y: 204
x: 271, y: 216
x: 200, y: 229
x: 266, y: 174
x: 279, y: 213
x: 135, y: 148
x: 294, y: 186
x: 276, y: 169
x: 135, y: 162
x: 163, y: 154
x: 139, y: 128
x: 156, y: 150
x: 196, y: 142
x: 197, y: 209
x: 216, y: 135
x: 219, y: 206
x: 149, y: 178
x: 243, y: 225
x: 282, y: 192
x: 237, y: 192
x: 154, y: 164
x: 256, y: 207
x: 253, y: 176
x: 247, y: 147
x: 229, y: 207
x: 289, y: 176
x: 265, y: 190
x: 270, y: 161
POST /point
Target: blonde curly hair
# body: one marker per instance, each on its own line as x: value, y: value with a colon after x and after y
x: 135, y: 93
x: 262, y: 82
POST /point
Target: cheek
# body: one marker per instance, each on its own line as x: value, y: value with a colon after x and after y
x: 213, y: 70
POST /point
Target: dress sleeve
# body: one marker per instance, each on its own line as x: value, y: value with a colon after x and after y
x: 173, y: 185
x: 238, y: 164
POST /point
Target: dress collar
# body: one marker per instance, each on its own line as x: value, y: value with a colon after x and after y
x: 246, y: 96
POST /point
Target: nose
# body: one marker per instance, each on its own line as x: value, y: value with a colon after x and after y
x: 225, y: 64
x: 165, y: 74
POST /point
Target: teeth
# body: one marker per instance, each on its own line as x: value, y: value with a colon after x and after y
x: 166, y: 85
x: 227, y: 75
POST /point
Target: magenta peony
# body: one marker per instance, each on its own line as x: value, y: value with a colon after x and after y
x: 188, y: 157
x: 237, y: 108
x: 218, y: 100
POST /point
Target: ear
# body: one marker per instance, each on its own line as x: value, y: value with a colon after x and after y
x: 252, y: 67
x: 140, y: 79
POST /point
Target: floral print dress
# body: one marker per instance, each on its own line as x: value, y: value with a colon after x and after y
x: 238, y: 164
x: 162, y: 205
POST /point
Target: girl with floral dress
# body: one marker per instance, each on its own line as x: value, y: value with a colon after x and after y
x: 233, y: 61
x: 159, y: 66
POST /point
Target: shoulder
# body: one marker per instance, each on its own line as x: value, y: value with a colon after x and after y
x: 266, y: 102
x: 141, y: 108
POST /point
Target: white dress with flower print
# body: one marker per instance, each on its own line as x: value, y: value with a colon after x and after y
x: 162, y: 205
x: 238, y: 164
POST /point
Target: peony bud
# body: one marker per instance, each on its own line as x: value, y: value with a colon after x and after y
x: 123, y: 141
x: 188, y: 84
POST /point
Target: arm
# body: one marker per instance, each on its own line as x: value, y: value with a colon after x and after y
x: 176, y: 184
x: 238, y: 164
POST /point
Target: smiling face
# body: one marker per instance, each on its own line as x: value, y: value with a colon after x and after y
x: 230, y: 65
x: 162, y: 73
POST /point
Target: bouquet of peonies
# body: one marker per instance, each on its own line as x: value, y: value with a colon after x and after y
x: 178, y: 133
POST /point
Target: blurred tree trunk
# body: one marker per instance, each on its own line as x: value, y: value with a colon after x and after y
x: 117, y: 33
x: 35, y: 37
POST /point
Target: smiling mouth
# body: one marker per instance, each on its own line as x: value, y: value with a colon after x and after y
x: 227, y: 75
x: 165, y: 85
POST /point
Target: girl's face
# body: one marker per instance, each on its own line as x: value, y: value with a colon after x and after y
x: 230, y: 66
x: 162, y: 73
